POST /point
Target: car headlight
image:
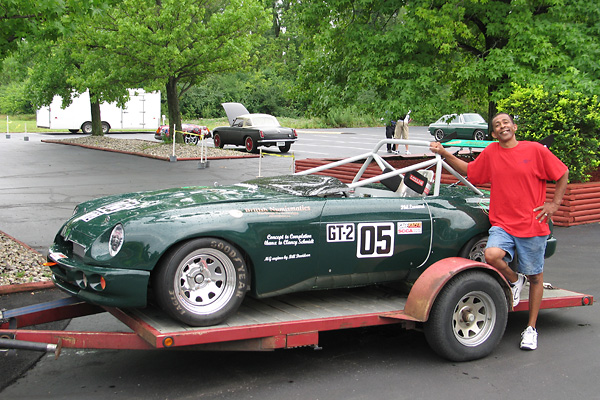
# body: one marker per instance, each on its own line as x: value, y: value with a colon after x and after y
x: 115, y: 242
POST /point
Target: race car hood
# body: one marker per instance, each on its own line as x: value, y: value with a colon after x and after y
x: 234, y: 110
x: 93, y: 216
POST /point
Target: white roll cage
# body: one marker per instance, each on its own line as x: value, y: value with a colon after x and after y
x: 373, y: 155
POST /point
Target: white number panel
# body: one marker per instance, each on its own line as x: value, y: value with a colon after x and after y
x: 375, y: 240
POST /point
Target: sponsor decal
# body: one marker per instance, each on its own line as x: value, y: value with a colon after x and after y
x: 277, y: 211
x: 57, y: 256
x: 128, y: 204
x: 287, y: 257
x: 291, y: 239
x: 409, y: 228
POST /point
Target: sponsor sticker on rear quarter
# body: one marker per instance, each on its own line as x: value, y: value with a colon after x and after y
x: 410, y: 228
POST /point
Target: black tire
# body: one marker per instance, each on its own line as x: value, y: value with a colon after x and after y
x: 190, y: 139
x: 479, y: 135
x: 105, y: 127
x: 202, y: 282
x: 86, y: 127
x: 286, y: 147
x: 475, y: 249
x: 468, y: 318
x: 217, y: 140
x: 250, y: 144
x: 438, y: 134
x: 73, y: 130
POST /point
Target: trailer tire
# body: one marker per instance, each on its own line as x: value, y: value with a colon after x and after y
x: 201, y: 282
x: 468, y: 317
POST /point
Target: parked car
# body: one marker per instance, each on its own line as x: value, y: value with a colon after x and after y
x: 252, y: 130
x: 163, y: 132
x: 466, y: 126
x: 197, y: 251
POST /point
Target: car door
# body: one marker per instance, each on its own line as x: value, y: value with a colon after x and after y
x: 372, y: 239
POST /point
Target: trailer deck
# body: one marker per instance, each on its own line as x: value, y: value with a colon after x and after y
x: 286, y: 321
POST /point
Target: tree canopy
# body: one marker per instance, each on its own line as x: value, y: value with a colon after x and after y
x: 436, y: 56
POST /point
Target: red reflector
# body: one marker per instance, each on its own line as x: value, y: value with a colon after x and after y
x: 49, y: 264
x: 586, y: 301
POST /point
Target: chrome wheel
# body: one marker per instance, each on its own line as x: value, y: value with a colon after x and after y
x: 205, y: 281
x: 439, y: 134
x: 473, y: 319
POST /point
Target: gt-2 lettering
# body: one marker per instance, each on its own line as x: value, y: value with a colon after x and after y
x: 340, y: 232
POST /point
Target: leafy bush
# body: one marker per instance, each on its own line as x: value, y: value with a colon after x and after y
x: 572, y: 117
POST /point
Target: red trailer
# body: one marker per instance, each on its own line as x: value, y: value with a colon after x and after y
x: 280, y: 322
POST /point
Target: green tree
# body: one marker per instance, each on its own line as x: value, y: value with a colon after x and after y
x: 443, y: 55
x: 174, y: 44
x: 550, y: 42
x: 39, y: 20
x: 572, y: 117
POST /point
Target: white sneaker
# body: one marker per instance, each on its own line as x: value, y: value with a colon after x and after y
x: 529, y: 339
x: 407, y: 152
x: 517, y: 287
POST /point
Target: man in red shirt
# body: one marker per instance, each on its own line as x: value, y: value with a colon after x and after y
x: 519, y: 213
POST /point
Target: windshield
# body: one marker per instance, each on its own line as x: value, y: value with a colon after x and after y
x: 473, y: 118
x: 264, y: 120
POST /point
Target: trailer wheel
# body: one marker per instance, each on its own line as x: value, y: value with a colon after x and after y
x: 201, y: 282
x: 468, y: 317
x: 105, y: 127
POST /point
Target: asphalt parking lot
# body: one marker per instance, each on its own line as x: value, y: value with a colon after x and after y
x: 41, y: 183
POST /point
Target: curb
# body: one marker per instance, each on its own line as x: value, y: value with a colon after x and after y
x: 24, y: 287
x: 132, y: 153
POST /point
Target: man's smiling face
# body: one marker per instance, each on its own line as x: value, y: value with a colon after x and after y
x: 503, y: 128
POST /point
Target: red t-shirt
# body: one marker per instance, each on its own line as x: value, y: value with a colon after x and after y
x: 518, y: 178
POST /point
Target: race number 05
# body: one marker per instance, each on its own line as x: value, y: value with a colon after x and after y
x: 375, y: 240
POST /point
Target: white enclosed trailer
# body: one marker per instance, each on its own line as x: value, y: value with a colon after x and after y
x: 142, y: 111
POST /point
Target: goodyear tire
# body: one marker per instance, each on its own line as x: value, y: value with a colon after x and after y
x: 202, y: 282
x: 468, y: 317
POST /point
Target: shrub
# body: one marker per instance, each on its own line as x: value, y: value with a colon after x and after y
x: 573, y: 118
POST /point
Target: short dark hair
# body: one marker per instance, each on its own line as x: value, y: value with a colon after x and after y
x: 504, y: 113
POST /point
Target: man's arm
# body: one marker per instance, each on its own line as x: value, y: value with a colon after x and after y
x: 459, y: 165
x: 548, y: 209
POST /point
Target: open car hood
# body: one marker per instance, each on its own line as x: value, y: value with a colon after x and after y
x: 234, y: 110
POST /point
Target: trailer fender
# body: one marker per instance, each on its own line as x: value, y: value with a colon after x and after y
x: 427, y: 287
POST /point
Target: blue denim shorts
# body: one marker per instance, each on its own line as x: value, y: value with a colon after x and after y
x: 530, y: 250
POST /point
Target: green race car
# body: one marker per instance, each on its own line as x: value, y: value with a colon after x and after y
x: 198, y: 251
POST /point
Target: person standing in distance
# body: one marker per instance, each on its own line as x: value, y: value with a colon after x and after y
x: 519, y: 213
x: 390, y: 126
x: 401, y: 131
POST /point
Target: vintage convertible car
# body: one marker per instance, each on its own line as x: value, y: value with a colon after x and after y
x: 466, y: 126
x: 197, y: 251
x: 252, y: 130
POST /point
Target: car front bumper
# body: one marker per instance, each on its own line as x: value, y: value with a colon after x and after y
x: 113, y: 287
